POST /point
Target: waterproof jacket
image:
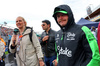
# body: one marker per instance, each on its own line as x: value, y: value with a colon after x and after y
x: 49, y: 45
x: 75, y: 44
x: 29, y: 52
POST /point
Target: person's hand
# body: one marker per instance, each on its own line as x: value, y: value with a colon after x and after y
x: 55, y: 62
x: 0, y: 58
x: 13, y: 40
x: 41, y: 63
x: 45, y: 38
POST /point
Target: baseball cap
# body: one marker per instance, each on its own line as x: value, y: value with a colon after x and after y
x: 59, y: 11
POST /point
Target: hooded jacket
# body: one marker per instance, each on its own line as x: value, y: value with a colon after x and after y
x: 75, y: 44
x: 29, y: 52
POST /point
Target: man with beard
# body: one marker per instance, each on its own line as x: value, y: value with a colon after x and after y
x: 75, y: 44
x: 48, y: 43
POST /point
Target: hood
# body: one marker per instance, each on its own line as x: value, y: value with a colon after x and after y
x: 70, y: 16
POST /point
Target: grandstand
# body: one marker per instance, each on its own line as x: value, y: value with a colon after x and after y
x: 94, y: 14
x: 4, y: 31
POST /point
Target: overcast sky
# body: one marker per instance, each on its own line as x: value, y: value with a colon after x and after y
x: 34, y: 11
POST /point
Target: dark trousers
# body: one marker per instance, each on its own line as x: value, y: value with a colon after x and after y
x: 2, y: 63
x: 48, y: 60
x: 8, y: 45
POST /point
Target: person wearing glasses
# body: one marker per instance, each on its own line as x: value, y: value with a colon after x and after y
x: 28, y: 53
x: 47, y: 42
x: 75, y: 44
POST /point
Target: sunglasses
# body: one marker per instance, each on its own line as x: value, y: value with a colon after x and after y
x: 43, y: 24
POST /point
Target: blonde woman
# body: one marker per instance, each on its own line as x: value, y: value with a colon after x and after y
x: 27, y: 53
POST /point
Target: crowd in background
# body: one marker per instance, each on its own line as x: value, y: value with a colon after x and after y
x: 6, y: 31
x: 53, y: 48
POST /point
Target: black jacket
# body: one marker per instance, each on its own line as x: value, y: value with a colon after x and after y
x: 76, y: 45
x: 49, y: 45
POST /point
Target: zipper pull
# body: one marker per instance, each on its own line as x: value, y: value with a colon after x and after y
x: 62, y: 37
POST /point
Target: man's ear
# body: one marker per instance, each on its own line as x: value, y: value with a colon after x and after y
x: 49, y: 25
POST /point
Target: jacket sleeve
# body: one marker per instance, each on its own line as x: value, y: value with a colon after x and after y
x: 91, y: 48
x: 42, y: 42
x: 37, y: 46
x: 12, y: 50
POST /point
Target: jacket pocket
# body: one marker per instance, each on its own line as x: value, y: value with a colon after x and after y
x: 31, y: 57
x: 29, y: 52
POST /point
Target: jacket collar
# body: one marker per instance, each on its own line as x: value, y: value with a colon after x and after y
x: 49, y: 30
x: 26, y: 31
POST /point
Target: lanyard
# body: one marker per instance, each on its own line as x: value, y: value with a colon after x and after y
x: 18, y: 44
x: 19, y: 38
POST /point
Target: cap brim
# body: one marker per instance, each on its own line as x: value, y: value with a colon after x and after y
x: 64, y: 12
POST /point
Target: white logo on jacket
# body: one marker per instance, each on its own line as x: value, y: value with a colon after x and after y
x: 66, y: 52
x: 57, y: 38
x: 57, y: 35
x: 70, y: 36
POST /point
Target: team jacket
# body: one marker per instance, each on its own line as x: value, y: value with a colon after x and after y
x: 75, y: 44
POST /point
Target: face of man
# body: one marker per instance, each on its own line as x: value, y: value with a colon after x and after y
x: 45, y: 26
x: 62, y: 19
